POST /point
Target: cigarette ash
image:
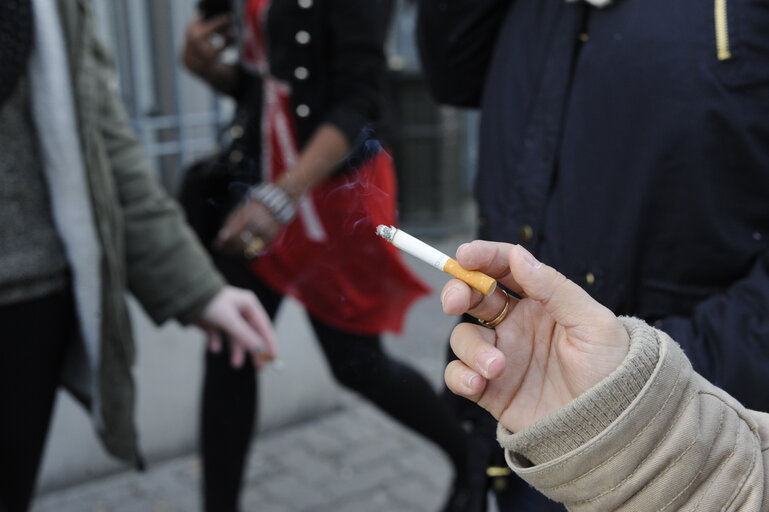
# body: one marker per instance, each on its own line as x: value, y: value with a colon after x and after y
x: 386, y: 232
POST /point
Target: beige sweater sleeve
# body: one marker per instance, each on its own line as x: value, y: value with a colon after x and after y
x: 652, y: 436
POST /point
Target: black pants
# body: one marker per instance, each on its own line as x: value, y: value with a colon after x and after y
x: 358, y: 362
x: 32, y: 349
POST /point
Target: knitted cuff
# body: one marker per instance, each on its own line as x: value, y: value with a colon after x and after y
x: 591, y: 413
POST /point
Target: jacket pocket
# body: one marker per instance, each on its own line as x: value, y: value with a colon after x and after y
x: 723, y: 50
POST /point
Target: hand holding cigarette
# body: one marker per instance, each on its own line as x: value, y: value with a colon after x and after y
x: 436, y: 258
x: 554, y: 344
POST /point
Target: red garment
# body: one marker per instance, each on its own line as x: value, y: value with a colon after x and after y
x: 329, y: 257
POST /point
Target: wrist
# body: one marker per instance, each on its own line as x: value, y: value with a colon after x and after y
x: 586, y: 417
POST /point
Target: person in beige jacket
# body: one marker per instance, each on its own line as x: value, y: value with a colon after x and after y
x: 598, y: 412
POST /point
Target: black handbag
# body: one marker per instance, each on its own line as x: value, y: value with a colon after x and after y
x: 211, y: 188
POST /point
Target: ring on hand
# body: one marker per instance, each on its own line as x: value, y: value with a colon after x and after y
x: 254, y: 244
x: 501, y: 316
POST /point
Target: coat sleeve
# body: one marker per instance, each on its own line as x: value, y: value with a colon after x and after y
x: 456, y: 39
x: 357, y: 63
x: 166, y: 269
x: 680, y: 443
x: 727, y: 337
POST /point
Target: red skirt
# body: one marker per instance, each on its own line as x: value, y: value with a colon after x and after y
x: 352, y: 279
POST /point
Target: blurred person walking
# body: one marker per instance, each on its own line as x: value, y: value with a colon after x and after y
x: 82, y: 222
x: 309, y: 90
x: 625, y: 143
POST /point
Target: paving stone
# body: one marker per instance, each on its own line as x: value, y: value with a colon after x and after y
x: 363, y: 480
x: 419, y: 494
x: 428, y: 464
x: 381, y: 451
x: 294, y: 493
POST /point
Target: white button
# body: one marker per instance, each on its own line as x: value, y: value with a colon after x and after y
x: 301, y: 73
x: 236, y: 131
x: 236, y: 156
x: 305, y: 4
x: 757, y: 236
x: 302, y: 37
x: 303, y: 110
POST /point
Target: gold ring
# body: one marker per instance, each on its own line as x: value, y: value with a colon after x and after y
x: 253, y: 248
x: 501, y: 316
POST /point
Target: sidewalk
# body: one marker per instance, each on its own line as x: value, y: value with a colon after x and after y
x: 354, y: 459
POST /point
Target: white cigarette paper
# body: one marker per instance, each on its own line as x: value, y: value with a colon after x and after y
x: 436, y: 258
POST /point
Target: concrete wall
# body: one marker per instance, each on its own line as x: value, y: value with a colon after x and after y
x: 168, y: 374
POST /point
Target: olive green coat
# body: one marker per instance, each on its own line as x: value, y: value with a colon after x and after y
x: 146, y: 248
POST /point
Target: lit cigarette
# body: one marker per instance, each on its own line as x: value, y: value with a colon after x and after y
x: 436, y: 258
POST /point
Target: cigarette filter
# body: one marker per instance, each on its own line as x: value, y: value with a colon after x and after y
x: 436, y: 258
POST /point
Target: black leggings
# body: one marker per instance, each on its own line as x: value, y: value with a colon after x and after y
x: 32, y: 349
x: 358, y: 362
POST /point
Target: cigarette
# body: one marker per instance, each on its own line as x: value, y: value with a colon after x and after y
x: 435, y: 258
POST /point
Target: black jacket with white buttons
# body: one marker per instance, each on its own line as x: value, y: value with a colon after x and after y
x: 331, y: 52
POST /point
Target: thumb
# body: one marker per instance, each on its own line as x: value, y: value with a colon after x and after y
x: 565, y: 301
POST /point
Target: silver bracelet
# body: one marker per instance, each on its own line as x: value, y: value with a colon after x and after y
x: 275, y: 199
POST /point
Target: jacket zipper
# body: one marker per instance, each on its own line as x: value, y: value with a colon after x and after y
x: 722, y: 31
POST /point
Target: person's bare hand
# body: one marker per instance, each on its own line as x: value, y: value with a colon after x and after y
x: 248, y: 229
x: 553, y: 345
x: 204, y: 43
x: 240, y: 315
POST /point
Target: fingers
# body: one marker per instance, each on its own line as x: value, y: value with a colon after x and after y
x: 228, y: 238
x: 257, y: 317
x: 490, y: 258
x: 241, y: 338
x: 205, y: 41
x: 464, y: 381
x: 565, y: 301
x: 479, y: 361
x: 214, y: 340
x: 458, y: 298
x: 519, y: 271
x: 243, y: 334
x: 238, y: 355
x: 252, y: 219
x: 213, y: 25
x: 474, y: 346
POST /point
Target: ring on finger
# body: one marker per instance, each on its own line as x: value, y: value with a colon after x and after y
x: 253, y: 244
x: 254, y: 248
x: 500, y: 316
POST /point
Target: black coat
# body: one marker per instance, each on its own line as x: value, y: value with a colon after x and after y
x: 628, y: 147
x: 331, y: 52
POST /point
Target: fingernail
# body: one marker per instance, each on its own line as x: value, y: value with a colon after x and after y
x: 485, y: 360
x: 470, y: 380
x: 461, y: 246
x: 445, y: 295
x: 530, y: 259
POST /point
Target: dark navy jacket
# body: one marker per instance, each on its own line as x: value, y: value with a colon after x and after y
x: 618, y: 146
